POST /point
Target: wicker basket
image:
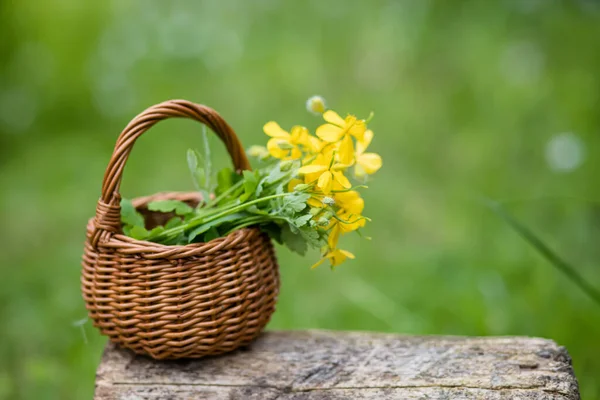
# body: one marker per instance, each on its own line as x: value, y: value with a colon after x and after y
x: 175, y: 301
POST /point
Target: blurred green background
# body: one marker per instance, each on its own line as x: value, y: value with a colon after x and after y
x: 500, y: 98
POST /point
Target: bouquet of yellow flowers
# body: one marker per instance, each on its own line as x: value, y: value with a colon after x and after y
x: 300, y: 195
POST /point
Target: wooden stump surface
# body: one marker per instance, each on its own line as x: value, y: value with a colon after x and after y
x: 312, y: 365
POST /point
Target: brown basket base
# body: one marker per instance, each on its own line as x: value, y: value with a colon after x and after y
x: 180, y: 301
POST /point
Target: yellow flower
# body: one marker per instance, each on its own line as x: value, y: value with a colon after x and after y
x: 284, y: 145
x: 327, y: 174
x: 335, y: 256
x: 349, y: 216
x: 366, y: 163
x: 350, y: 201
x: 341, y: 130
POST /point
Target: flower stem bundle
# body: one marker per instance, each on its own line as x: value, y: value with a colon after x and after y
x: 301, y: 194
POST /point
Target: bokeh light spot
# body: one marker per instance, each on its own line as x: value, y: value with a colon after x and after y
x: 565, y: 152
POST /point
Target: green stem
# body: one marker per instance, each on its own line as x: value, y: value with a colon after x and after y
x: 209, y: 217
x: 253, y: 221
x: 351, y: 222
x: 352, y: 188
x: 240, y: 208
x: 226, y: 193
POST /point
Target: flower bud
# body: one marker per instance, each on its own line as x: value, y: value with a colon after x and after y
x: 316, y: 105
x: 286, y: 165
x: 301, y: 187
x: 329, y: 201
x: 323, y: 221
x: 258, y: 152
x: 283, y: 145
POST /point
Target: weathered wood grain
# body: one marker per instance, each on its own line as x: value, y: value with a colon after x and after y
x: 350, y: 365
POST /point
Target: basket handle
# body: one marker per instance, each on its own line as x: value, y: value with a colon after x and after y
x: 108, y: 210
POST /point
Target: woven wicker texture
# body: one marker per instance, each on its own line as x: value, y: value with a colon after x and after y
x: 175, y: 301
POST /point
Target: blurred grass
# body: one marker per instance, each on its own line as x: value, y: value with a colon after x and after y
x: 467, y: 97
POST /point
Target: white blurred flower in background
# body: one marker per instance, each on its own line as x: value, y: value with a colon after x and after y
x: 565, y: 152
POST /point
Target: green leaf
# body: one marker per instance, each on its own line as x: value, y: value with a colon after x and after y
x: 250, y: 185
x: 178, y: 240
x: 192, y: 160
x: 138, y: 232
x: 280, y: 189
x: 224, y: 180
x: 129, y: 214
x: 173, y: 222
x: 179, y: 207
x: 314, y: 238
x: 156, y: 230
x: 275, y: 174
x: 211, y: 234
x: 195, y: 160
x: 296, y: 201
x: 259, y: 188
x: 250, y: 181
x: 244, y: 197
x: 205, y: 227
x: 301, y: 221
x: 273, y: 230
x: 295, y: 230
x: 553, y: 258
x: 297, y: 206
x: 294, y: 241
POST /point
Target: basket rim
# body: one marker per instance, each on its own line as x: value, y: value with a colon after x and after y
x: 120, y: 240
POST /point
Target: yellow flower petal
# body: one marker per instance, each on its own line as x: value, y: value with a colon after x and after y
x: 361, y: 145
x: 274, y: 130
x: 311, y: 169
x: 328, y: 149
x: 314, y: 144
x: 315, y: 202
x: 352, y: 222
x: 370, y: 162
x: 325, y: 182
x: 359, y: 171
x: 357, y: 129
x: 293, y: 183
x: 299, y: 135
x: 295, y: 154
x: 336, y: 257
x: 330, y: 133
x: 350, y: 201
x: 333, y: 118
x: 315, y: 265
x: 334, y: 236
x: 346, y: 151
x: 347, y: 254
x: 275, y: 150
x: 342, y: 180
